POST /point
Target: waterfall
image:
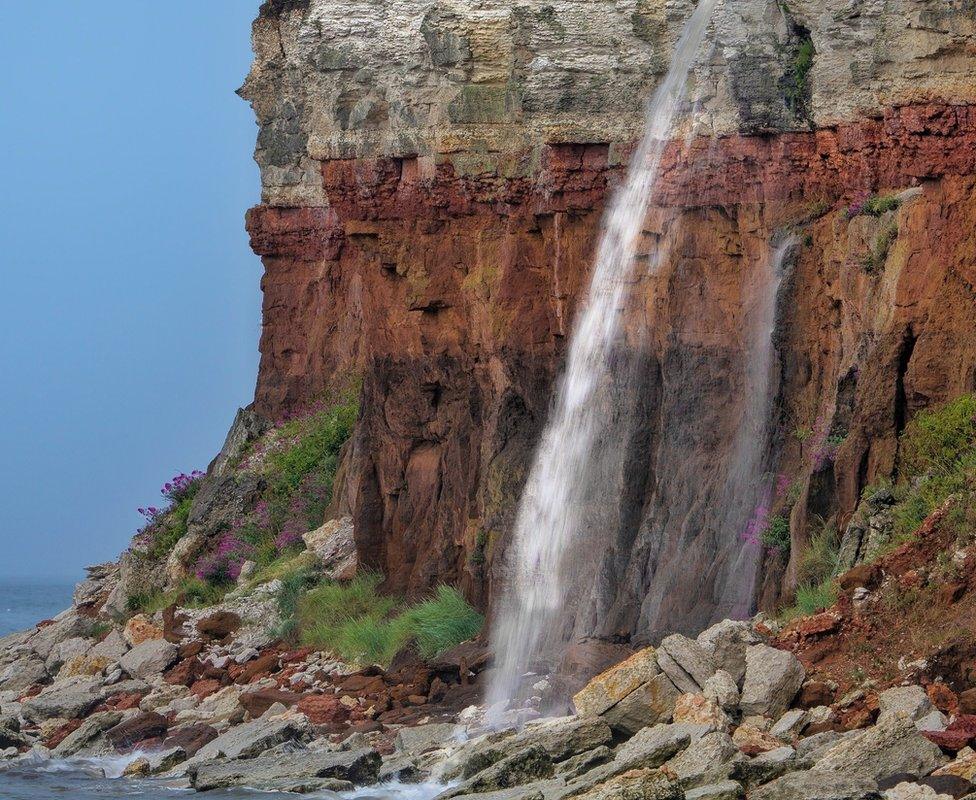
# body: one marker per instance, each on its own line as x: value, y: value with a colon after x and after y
x: 747, y: 500
x: 548, y: 521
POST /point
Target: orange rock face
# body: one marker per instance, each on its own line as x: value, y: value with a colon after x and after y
x: 452, y: 296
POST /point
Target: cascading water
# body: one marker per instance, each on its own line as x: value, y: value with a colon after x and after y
x: 548, y: 522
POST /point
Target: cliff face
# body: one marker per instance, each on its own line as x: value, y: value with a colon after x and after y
x: 434, y: 176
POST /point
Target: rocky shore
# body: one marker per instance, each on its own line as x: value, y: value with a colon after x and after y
x: 208, y: 701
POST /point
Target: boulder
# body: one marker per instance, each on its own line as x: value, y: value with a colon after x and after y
x: 652, y: 747
x: 66, y: 625
x: 707, y: 760
x: 887, y: 748
x: 335, y: 548
x: 74, y: 647
x: 638, y: 784
x: 67, y: 699
x: 22, y: 673
x: 421, y: 738
x: 323, y: 709
x: 726, y: 643
x: 139, y: 629
x: 524, y: 766
x: 139, y: 728
x: 725, y: 790
x: 752, y: 740
x: 256, y: 702
x: 788, y: 726
x: 651, y: 703
x: 809, y: 785
x: 909, y: 790
x: 906, y: 701
x: 772, y: 679
x: 149, y: 658
x: 685, y: 662
x: 190, y: 738
x: 253, y: 738
x: 284, y: 772
x: 219, y: 625
x: 219, y: 709
x: 768, y: 766
x: 613, y: 685
x: 696, y: 709
x: 84, y: 665
x: 86, y: 734
x: 722, y: 688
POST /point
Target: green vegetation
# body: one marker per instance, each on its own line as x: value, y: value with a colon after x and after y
x: 875, y: 260
x: 172, y: 527
x: 877, y: 205
x: 811, y: 599
x: 796, y: 80
x: 191, y: 593
x: 816, y: 589
x: 359, y: 624
x: 937, y: 459
x: 777, y: 534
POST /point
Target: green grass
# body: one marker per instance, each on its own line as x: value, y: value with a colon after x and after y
x: 172, y: 528
x: 191, y: 593
x: 877, y: 205
x: 819, y: 561
x: 308, y: 465
x: 361, y: 625
x: 811, y: 599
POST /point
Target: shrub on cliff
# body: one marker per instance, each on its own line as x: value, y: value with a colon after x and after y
x: 166, y: 526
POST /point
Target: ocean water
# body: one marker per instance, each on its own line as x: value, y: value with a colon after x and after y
x: 26, y: 601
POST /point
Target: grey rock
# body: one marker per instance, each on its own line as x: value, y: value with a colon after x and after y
x: 708, y: 760
x: 247, y: 426
x: 772, y: 679
x: 581, y: 764
x: 67, y: 699
x: 149, y: 658
x: 525, y: 766
x: 768, y: 766
x: 88, y: 734
x: 723, y: 689
x: 23, y: 673
x: 334, y: 547
x: 420, y: 738
x: 651, y: 703
x: 112, y: 646
x: 653, y: 746
x: 906, y: 701
x: 401, y: 768
x: 726, y: 790
x: 788, y: 726
x: 65, y: 651
x: 888, y: 748
x: 66, y: 625
x: 809, y: 785
x: 252, y: 738
x: 694, y: 661
x: 813, y: 747
x: 281, y: 772
x: 726, y: 643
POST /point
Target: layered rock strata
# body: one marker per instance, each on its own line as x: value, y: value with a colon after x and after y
x: 434, y: 176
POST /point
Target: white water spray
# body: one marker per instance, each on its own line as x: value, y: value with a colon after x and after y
x: 548, y: 521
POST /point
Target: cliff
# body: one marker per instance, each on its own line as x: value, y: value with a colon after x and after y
x: 434, y: 176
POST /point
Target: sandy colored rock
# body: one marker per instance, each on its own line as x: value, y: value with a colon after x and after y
x: 651, y: 703
x: 696, y: 709
x: 139, y: 629
x: 614, y: 684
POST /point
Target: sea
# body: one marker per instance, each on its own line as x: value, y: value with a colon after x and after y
x: 26, y: 601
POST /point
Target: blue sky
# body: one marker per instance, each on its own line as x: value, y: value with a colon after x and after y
x: 130, y: 303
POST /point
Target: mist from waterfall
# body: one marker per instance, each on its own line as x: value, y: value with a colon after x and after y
x: 547, y: 527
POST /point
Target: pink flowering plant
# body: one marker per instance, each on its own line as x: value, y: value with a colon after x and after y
x: 297, y: 461
x: 166, y: 525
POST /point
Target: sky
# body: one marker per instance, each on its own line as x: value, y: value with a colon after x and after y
x: 129, y: 298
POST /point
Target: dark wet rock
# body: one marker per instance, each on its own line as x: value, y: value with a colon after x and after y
x: 527, y: 765
x: 219, y: 625
x: 280, y: 772
x: 190, y: 737
x: 143, y: 726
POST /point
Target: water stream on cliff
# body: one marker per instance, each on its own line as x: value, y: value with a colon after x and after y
x: 549, y: 515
